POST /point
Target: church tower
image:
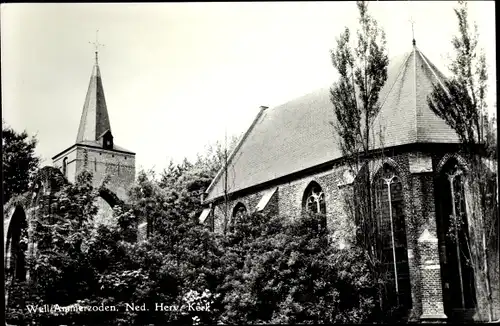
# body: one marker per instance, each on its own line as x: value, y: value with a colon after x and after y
x: 95, y: 148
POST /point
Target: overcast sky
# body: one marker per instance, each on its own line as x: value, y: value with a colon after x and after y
x: 176, y: 75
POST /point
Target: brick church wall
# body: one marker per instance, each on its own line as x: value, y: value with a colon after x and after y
x: 71, y: 161
x: 334, y: 187
x: 417, y: 171
x: 250, y: 201
x: 119, y: 166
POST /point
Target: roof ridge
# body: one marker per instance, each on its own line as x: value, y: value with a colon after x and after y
x: 395, y: 80
x: 432, y: 70
x: 415, y: 88
x: 424, y: 59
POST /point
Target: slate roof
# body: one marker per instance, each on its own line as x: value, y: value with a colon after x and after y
x: 298, y: 134
x: 95, y: 119
x: 405, y: 117
x: 94, y: 122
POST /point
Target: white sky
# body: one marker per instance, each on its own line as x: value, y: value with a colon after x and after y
x: 175, y: 75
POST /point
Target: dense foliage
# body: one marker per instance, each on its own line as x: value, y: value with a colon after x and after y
x: 268, y: 269
x: 19, y: 161
x: 286, y: 271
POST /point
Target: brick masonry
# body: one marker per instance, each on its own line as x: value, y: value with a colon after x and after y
x: 418, y: 171
x: 116, y: 167
x: 120, y: 167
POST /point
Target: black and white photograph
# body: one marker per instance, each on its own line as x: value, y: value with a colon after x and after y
x: 234, y: 163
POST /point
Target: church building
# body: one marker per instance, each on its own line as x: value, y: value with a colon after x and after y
x: 112, y: 166
x: 289, y: 161
x: 95, y: 148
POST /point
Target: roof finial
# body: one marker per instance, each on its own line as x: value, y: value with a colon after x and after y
x: 412, y: 31
x: 96, y: 45
x: 412, y: 23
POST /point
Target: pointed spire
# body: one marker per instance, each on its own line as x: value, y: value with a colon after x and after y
x: 94, y: 121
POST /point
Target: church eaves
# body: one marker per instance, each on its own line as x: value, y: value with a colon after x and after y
x: 298, y: 135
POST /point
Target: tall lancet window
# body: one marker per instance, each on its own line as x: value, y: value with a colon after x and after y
x: 391, y: 235
x: 459, y: 278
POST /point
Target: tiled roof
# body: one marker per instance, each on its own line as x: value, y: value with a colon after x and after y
x: 405, y: 117
x: 299, y: 134
x: 94, y: 120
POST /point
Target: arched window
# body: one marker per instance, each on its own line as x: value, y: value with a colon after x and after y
x: 314, y: 202
x: 238, y: 211
x: 314, y: 199
x: 17, y: 246
x: 65, y: 166
x: 391, y: 235
x: 459, y: 289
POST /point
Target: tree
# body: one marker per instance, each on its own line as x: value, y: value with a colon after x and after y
x: 281, y: 270
x: 462, y: 100
x: 461, y: 103
x: 362, y: 73
x: 59, y: 232
x: 183, y: 264
x: 19, y: 161
x: 220, y: 154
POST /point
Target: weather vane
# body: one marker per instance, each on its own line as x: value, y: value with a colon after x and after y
x: 412, y: 30
x: 412, y: 23
x: 96, y: 44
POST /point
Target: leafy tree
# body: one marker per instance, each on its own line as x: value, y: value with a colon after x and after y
x: 19, y: 161
x: 461, y: 102
x: 362, y: 73
x: 280, y: 270
x: 268, y: 269
x: 186, y: 182
x: 59, y: 269
x: 174, y: 265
